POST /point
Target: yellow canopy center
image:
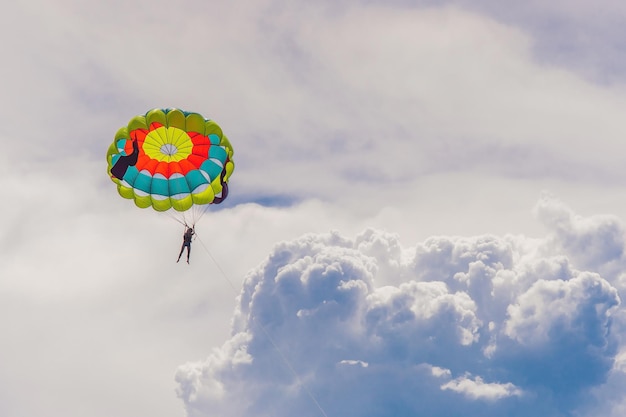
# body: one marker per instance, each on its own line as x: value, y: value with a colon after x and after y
x: 169, y: 144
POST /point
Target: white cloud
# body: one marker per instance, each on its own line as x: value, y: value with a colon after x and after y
x: 474, y: 388
x: 478, y: 389
x: 439, y: 372
x: 352, y: 362
x: 595, y: 242
x: 579, y: 307
x: 501, y: 312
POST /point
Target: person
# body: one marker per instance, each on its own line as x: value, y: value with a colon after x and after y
x: 121, y: 166
x: 186, y: 242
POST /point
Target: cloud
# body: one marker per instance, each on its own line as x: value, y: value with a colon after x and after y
x: 441, y: 99
x: 595, y: 242
x: 477, y: 389
x: 550, y: 307
x: 572, y: 34
x: 436, y: 122
x: 483, y: 323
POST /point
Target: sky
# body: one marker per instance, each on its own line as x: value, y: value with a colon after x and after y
x: 426, y: 215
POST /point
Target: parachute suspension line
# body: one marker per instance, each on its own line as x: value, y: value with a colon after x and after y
x: 180, y: 218
x: 187, y: 219
x: 172, y: 216
x: 269, y: 337
x: 293, y: 371
x: 206, y: 249
x: 201, y: 211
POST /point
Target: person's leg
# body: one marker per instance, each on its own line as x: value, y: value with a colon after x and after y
x: 182, y: 248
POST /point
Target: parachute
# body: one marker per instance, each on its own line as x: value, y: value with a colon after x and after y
x: 172, y: 160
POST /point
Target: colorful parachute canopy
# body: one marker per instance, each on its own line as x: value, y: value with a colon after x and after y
x: 170, y: 158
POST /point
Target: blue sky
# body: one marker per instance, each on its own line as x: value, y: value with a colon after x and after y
x: 426, y: 213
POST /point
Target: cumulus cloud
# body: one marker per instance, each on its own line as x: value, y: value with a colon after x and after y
x: 595, y: 242
x: 365, y: 326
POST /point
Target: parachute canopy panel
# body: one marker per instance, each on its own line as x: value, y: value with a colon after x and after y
x: 170, y: 158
